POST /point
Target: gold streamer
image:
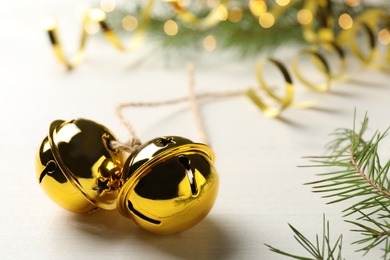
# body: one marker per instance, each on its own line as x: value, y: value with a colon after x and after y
x: 340, y: 54
x: 284, y: 101
x: 369, y: 24
x: 318, y: 29
x: 50, y: 24
x: 217, y: 14
x: 315, y: 17
x: 98, y: 16
x: 320, y: 63
x: 289, y: 92
x: 277, y: 10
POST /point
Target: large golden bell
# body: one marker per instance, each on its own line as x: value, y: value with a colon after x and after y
x: 77, y: 168
x: 170, y: 184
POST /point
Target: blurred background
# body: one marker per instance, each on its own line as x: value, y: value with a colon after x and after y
x: 282, y: 75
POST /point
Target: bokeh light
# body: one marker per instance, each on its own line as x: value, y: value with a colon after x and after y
x: 266, y: 20
x: 352, y: 3
x: 282, y: 2
x: 304, y: 16
x: 345, y: 21
x: 209, y: 43
x: 96, y: 15
x: 384, y: 36
x: 108, y: 5
x: 129, y: 23
x: 212, y: 3
x: 171, y: 28
x: 235, y: 15
x: 257, y: 7
x: 222, y: 13
x: 91, y: 27
x: 49, y: 22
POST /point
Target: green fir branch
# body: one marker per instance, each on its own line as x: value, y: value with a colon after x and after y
x: 359, y: 175
x: 359, y: 171
x: 320, y: 249
x: 245, y: 38
x: 354, y: 172
x: 374, y: 233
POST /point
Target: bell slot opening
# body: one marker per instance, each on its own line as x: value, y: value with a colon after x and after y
x: 108, y: 144
x: 164, y: 141
x: 51, y: 166
x: 190, y: 174
x: 140, y: 215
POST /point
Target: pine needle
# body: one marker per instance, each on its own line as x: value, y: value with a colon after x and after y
x: 359, y: 175
x: 321, y: 249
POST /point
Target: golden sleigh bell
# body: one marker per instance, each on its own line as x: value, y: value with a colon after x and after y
x: 167, y: 185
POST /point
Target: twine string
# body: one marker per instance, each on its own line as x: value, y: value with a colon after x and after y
x: 195, y: 106
x: 134, y: 141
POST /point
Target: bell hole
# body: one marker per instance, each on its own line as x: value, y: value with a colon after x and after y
x: 140, y: 215
x: 107, y: 142
x: 164, y: 141
x: 190, y: 174
x: 102, y: 186
x: 185, y: 162
x: 51, y: 166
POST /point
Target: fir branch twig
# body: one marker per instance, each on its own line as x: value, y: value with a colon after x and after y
x: 359, y: 174
x: 321, y: 249
x: 246, y: 37
x: 366, y: 178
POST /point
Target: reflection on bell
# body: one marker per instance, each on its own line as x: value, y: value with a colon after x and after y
x: 170, y: 184
x: 77, y: 168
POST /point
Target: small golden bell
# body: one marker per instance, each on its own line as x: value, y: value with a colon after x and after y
x: 77, y: 168
x: 170, y: 184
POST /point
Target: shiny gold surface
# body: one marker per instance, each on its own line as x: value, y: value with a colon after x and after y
x: 76, y: 167
x: 216, y: 14
x: 98, y: 17
x: 170, y: 185
x: 367, y: 25
x: 320, y: 63
x: 321, y: 28
x: 284, y: 101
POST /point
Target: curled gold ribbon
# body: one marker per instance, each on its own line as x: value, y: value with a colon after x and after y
x: 367, y: 24
x: 320, y: 29
x: 50, y: 24
x: 284, y: 101
x: 277, y: 10
x: 340, y: 53
x: 216, y: 14
x: 320, y: 63
x: 95, y: 16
